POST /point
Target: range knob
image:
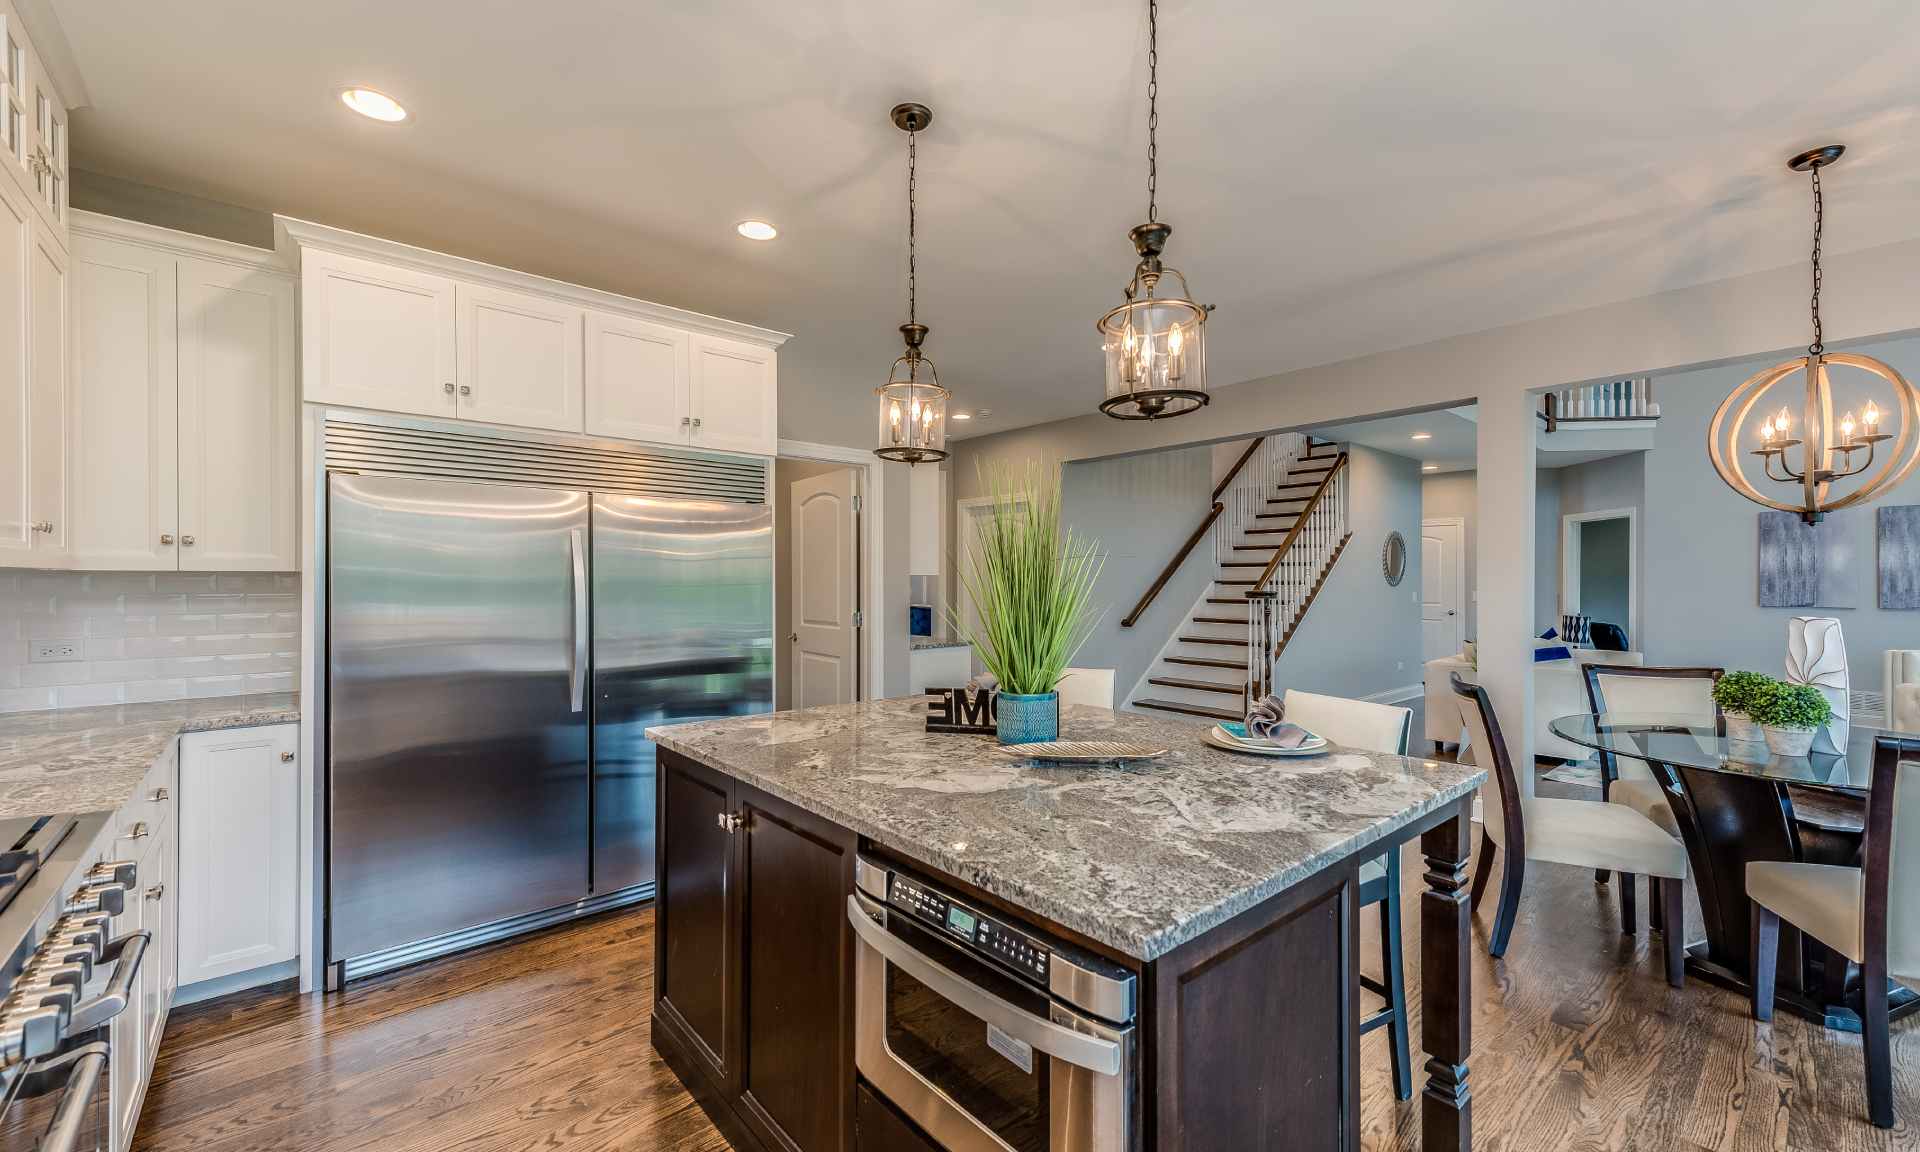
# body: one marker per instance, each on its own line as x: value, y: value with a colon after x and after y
x: 99, y: 897
x: 27, y: 1032
x: 121, y: 872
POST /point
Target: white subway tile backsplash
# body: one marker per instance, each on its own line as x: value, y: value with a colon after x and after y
x: 147, y: 636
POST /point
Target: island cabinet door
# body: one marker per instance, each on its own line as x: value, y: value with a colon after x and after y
x: 796, y: 986
x: 694, y: 929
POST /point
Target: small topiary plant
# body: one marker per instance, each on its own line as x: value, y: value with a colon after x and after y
x: 1741, y: 692
x: 1799, y: 706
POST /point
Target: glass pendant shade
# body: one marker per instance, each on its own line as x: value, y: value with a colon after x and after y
x: 912, y: 406
x: 1156, y: 352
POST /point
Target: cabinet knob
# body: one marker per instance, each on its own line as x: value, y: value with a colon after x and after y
x: 466, y: 390
x: 686, y: 421
x: 696, y: 422
x: 729, y: 822
x: 186, y: 541
x: 138, y: 831
x: 159, y: 794
x: 166, y: 537
x: 449, y: 387
x: 157, y: 891
x: 286, y: 757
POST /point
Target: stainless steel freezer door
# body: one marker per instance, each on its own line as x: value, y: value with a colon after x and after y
x: 682, y: 630
x: 458, y: 772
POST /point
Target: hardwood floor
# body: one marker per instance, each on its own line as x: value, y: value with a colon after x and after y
x: 1578, y: 1044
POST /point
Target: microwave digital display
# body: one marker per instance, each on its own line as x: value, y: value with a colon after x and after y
x: 960, y: 921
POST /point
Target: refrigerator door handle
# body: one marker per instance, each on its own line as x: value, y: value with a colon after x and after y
x: 577, y: 668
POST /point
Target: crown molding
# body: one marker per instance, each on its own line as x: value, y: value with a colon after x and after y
x: 80, y: 223
x: 291, y: 234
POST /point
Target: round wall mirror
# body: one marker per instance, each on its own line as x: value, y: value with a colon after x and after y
x: 1393, y: 559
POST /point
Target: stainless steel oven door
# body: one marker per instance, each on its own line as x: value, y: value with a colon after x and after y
x: 979, y: 1062
x: 59, y: 1103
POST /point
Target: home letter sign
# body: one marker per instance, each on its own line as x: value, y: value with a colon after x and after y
x: 958, y: 710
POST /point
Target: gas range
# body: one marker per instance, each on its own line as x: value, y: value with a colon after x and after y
x: 64, y: 977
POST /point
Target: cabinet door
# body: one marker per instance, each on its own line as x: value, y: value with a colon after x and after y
x: 796, y: 1057
x: 16, y: 85
x: 238, y: 833
x: 375, y: 336
x: 124, y: 407
x: 636, y: 379
x: 47, y: 146
x: 47, y: 417
x: 155, y: 881
x: 519, y: 359
x: 238, y: 500
x: 17, y: 536
x: 694, y: 937
x: 127, y: 1071
x: 733, y: 386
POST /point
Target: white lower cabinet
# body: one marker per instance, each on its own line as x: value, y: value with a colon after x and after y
x: 239, y: 851
x: 144, y: 832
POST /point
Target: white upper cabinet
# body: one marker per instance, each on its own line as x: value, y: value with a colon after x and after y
x: 125, y: 406
x: 636, y: 379
x: 184, y: 409
x: 238, y: 499
x: 519, y: 359
x: 33, y: 125
x: 376, y: 336
x: 734, y: 407
x: 399, y: 329
x: 17, y: 534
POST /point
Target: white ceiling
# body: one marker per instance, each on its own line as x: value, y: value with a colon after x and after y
x: 1340, y: 180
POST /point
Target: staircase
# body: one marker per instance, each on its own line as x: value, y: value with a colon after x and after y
x: 1282, y: 526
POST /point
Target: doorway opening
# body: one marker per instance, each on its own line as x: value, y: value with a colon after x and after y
x: 819, y: 543
x: 1598, y: 574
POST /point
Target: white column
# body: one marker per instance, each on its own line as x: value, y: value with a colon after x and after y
x: 1505, y: 570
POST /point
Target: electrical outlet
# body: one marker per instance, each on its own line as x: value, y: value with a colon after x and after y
x: 1399, y: 665
x: 55, y: 651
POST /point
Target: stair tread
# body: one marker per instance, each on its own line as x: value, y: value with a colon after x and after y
x: 1302, y: 484
x: 1204, y: 662
x: 1188, y: 709
x: 1198, y: 685
x: 1219, y: 619
x: 1222, y: 641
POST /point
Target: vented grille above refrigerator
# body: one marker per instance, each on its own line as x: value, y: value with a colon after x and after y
x: 444, y: 454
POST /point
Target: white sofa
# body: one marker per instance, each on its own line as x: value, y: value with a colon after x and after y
x: 1558, y: 690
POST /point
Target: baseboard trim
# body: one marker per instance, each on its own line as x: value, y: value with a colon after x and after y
x: 236, y: 982
x: 1397, y: 695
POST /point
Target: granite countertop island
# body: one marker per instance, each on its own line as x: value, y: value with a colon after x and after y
x: 87, y: 759
x: 1140, y: 858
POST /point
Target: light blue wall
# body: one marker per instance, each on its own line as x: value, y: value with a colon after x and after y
x: 1700, y: 597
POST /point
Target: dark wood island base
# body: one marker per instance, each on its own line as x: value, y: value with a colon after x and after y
x: 1248, y: 1035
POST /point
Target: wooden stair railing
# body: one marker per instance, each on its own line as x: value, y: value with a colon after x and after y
x: 1193, y: 541
x: 1300, y: 522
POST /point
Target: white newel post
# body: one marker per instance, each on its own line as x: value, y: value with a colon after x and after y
x: 1504, y: 553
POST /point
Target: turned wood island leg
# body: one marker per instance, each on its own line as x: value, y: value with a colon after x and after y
x: 1446, y: 985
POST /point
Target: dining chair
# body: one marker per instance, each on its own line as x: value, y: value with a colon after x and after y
x: 1086, y: 686
x: 1581, y: 833
x: 1375, y: 728
x: 1626, y: 690
x: 1870, y: 915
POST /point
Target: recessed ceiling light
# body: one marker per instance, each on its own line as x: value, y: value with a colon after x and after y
x: 1429, y: 467
x: 963, y: 415
x: 373, y: 105
x: 1423, y: 435
x: 756, y: 229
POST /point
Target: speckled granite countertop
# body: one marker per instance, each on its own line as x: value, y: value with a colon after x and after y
x: 1141, y: 858
x: 84, y: 759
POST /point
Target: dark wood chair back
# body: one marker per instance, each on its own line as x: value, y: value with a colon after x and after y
x: 1490, y: 752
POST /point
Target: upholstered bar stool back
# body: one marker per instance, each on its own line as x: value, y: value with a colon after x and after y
x: 1087, y: 686
x: 1354, y: 723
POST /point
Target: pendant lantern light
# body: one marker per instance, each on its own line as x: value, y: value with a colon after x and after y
x: 913, y: 405
x: 1155, y: 342
x: 1827, y: 450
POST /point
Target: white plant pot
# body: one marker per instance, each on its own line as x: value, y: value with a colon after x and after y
x: 1790, y: 742
x: 1742, y: 728
x: 1754, y: 751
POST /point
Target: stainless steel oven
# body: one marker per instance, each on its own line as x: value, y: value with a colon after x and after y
x: 989, y: 1034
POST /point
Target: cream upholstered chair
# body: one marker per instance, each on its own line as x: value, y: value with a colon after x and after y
x: 1577, y: 832
x: 1645, y: 691
x: 1087, y: 686
x: 1900, y: 680
x: 1870, y: 915
x: 1375, y: 728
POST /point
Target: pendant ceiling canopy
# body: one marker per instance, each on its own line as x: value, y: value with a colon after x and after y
x: 1155, y: 342
x: 1801, y: 446
x: 912, y: 404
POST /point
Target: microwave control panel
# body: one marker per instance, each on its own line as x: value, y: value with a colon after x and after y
x: 1010, y: 946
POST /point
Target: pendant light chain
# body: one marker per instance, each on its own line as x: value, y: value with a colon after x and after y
x: 913, y: 290
x: 1819, y: 223
x: 1153, y: 110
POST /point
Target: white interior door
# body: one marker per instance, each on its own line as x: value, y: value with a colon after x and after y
x: 1442, y: 610
x: 824, y: 639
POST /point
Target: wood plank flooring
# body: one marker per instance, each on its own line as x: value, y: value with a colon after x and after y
x: 542, y: 1043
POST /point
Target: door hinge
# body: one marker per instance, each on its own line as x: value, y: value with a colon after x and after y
x: 856, y: 501
x: 859, y: 618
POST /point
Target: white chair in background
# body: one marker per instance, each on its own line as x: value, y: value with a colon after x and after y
x: 1087, y: 686
x: 1375, y: 728
x: 1900, y: 681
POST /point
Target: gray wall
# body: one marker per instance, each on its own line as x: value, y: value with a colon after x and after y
x: 1700, y: 599
x: 1362, y: 636
x: 1455, y: 494
x: 1604, y: 571
x: 1452, y: 494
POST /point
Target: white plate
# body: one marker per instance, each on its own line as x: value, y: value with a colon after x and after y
x: 1220, y: 740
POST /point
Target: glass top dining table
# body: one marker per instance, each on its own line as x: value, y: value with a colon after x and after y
x: 1694, y: 741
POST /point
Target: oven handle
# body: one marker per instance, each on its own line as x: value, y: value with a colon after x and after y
x: 70, y: 1118
x: 1076, y: 1048
x: 131, y: 949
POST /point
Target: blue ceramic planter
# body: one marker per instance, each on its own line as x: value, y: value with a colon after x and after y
x: 1028, y: 719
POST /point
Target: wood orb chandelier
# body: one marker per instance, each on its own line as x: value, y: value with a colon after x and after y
x: 1826, y: 449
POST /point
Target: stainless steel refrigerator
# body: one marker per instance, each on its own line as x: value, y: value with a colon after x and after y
x: 494, y: 655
